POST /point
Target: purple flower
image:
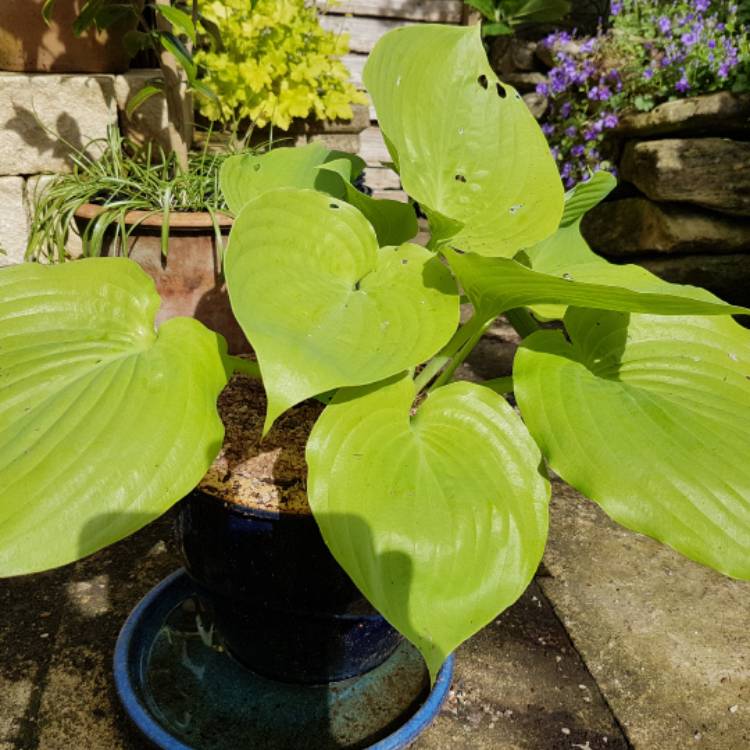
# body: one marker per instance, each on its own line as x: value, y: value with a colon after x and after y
x: 689, y: 39
x: 712, y: 44
x: 702, y: 5
x: 682, y: 85
x: 565, y: 110
x: 571, y: 131
x: 724, y: 70
x: 589, y: 134
x: 548, y: 129
x: 664, y: 25
x: 610, y: 120
x: 542, y: 88
x: 648, y: 74
x: 615, y: 8
x: 578, y: 151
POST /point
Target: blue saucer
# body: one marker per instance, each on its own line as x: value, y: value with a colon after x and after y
x: 184, y: 691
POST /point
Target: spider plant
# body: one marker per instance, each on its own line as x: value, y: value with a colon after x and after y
x: 121, y: 177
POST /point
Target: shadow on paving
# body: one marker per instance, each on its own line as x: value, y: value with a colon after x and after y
x: 519, y: 683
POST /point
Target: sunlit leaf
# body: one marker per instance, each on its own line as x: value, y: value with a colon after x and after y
x: 650, y: 418
x: 441, y: 518
x: 104, y: 423
x: 468, y: 149
x: 322, y: 305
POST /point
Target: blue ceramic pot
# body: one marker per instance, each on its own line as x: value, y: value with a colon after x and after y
x: 283, y: 605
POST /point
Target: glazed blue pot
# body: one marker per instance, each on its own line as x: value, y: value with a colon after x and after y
x: 283, y: 605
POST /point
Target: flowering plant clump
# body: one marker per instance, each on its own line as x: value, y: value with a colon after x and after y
x: 275, y: 63
x: 650, y: 53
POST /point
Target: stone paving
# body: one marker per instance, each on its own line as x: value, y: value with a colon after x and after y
x: 619, y: 643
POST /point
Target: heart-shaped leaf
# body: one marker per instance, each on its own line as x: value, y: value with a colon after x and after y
x: 322, y: 305
x: 441, y: 518
x: 104, y: 423
x: 468, y: 149
x: 496, y: 285
x: 245, y: 176
x: 650, y: 418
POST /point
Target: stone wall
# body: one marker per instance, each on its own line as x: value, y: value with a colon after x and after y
x: 43, y: 117
x: 683, y: 207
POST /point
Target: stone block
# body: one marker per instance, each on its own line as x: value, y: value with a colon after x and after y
x: 43, y: 117
x: 348, y: 142
x: 508, y: 54
x: 359, y: 121
x: 634, y: 226
x: 14, y: 220
x: 524, y: 82
x: 709, y: 172
x: 722, y: 113
x: 35, y: 188
x: 150, y: 121
x: 537, y: 103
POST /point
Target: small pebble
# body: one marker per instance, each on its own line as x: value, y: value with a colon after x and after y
x: 733, y: 709
x: 565, y: 731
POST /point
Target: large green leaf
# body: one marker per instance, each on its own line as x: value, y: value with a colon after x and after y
x: 104, y: 423
x: 245, y: 176
x: 322, y: 305
x: 649, y: 417
x: 469, y: 150
x: 496, y: 285
x: 441, y: 518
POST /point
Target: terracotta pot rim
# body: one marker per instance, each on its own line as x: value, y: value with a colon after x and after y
x: 177, y: 219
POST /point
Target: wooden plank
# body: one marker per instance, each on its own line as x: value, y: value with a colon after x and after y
x: 363, y: 32
x: 356, y: 64
x: 431, y: 11
x: 391, y: 195
x: 372, y: 147
x: 379, y: 178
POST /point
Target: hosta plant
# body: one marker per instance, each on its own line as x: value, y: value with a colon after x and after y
x: 431, y: 493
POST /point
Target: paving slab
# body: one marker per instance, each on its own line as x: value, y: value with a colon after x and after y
x: 666, y: 639
x: 519, y: 683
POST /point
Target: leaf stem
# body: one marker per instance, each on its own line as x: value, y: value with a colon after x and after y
x: 433, y: 367
x: 522, y: 321
x: 462, y: 353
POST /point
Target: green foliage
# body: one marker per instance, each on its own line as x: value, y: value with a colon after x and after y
x: 431, y: 494
x: 503, y: 16
x: 104, y: 424
x: 648, y: 416
x: 274, y: 63
x: 323, y: 305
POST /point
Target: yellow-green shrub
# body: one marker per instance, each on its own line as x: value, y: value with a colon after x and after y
x: 276, y: 64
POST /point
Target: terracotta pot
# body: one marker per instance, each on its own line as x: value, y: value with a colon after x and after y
x: 28, y: 45
x: 188, y: 279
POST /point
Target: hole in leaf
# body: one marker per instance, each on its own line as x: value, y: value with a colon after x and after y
x: 482, y: 81
x: 501, y: 92
x: 256, y: 167
x: 333, y: 205
x: 460, y: 178
x: 404, y: 261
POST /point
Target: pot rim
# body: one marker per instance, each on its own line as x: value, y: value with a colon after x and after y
x: 177, y: 219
